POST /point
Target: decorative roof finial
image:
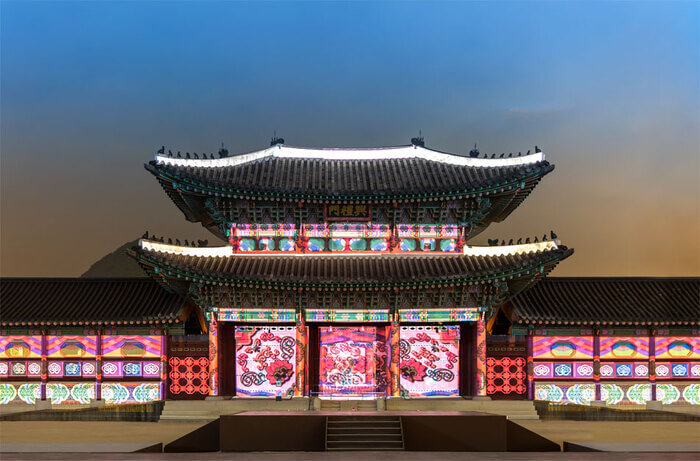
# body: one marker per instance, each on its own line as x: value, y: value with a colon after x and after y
x: 223, y: 152
x: 419, y: 141
x: 275, y: 141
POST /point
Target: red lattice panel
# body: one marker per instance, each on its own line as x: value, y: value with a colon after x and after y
x: 506, y: 375
x: 189, y: 375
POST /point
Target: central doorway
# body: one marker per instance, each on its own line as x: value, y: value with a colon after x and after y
x: 353, y: 362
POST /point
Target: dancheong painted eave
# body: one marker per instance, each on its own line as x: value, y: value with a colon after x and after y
x: 476, y: 265
x: 355, y: 175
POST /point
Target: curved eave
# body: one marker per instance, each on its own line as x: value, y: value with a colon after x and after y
x: 169, y: 263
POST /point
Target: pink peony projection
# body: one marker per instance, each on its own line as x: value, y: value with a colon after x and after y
x: 265, y: 358
x: 429, y: 361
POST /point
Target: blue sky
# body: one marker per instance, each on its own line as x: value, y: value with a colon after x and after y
x: 609, y: 90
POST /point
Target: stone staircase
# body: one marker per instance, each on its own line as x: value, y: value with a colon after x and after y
x: 363, y: 432
x: 207, y: 410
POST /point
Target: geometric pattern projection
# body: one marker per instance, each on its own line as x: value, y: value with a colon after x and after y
x: 429, y: 361
x: 506, y: 375
x: 265, y: 361
x: 562, y: 347
x: 130, y: 392
x: 189, y: 375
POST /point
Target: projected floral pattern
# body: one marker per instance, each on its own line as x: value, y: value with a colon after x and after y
x: 265, y: 358
x: 429, y: 359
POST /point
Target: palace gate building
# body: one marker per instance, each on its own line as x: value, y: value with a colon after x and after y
x: 349, y: 273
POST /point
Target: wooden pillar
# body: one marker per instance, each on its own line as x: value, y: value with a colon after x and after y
x: 98, y: 367
x: 530, y: 368
x: 394, y: 345
x: 480, y: 375
x: 213, y: 355
x: 652, y: 364
x: 596, y: 363
x: 300, y: 388
x: 163, y: 365
x: 44, y: 365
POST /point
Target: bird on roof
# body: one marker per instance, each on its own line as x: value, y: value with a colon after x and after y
x: 554, y: 236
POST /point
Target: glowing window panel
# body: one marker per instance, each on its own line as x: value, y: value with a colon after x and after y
x: 563, y: 347
x: 59, y: 369
x: 624, y: 347
x: 562, y: 370
x: 346, y: 315
x: 131, y: 346
x: 189, y: 375
x: 20, y: 347
x: 265, y: 361
x: 677, y: 347
x: 257, y: 315
x: 71, y: 347
x: 466, y: 314
x: 429, y: 360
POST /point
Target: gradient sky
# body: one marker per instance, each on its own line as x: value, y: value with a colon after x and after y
x: 610, y: 91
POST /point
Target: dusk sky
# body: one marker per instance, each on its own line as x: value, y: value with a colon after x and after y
x: 610, y: 91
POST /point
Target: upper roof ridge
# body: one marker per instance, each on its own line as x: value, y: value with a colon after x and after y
x: 352, y: 154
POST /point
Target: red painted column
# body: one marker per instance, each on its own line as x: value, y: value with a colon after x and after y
x: 213, y: 355
x: 394, y: 342
x: 44, y: 365
x: 596, y: 363
x: 530, y: 369
x: 98, y: 367
x: 480, y: 375
x: 652, y: 364
x: 163, y: 365
x: 300, y: 389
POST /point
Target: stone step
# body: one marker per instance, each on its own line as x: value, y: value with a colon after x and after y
x: 364, y: 445
x: 355, y: 437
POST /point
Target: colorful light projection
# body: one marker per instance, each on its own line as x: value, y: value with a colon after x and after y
x: 75, y: 393
x: 20, y: 392
x: 506, y: 375
x: 70, y: 369
x: 466, y: 314
x: 71, y: 347
x: 20, y: 347
x: 301, y: 345
x: 623, y: 370
x: 129, y: 369
x: 562, y: 347
x: 348, y: 363
x: 346, y: 315
x: 22, y: 368
x: 132, y: 346
x: 214, y: 355
x: 668, y: 370
x: 429, y: 360
x: 265, y: 361
x: 677, y: 347
x: 579, y: 393
x: 189, y: 375
x: 130, y: 392
x: 256, y: 315
x: 624, y: 347
x: 564, y: 370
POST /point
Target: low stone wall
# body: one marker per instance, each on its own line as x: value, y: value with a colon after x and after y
x: 549, y: 411
x: 143, y: 412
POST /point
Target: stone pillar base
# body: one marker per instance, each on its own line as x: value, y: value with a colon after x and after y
x: 42, y: 405
x: 315, y: 404
x: 381, y: 404
x: 598, y: 403
x: 481, y: 397
x: 655, y: 405
x: 97, y: 403
x: 214, y: 397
